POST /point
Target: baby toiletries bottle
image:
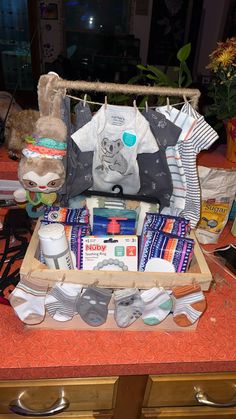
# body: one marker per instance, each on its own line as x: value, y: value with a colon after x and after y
x: 54, y: 246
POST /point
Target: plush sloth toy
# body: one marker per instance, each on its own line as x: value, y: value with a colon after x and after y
x: 41, y: 171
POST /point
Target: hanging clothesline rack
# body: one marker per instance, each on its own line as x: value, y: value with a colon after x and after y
x: 198, y: 271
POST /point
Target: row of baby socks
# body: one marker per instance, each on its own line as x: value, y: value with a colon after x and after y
x: 64, y: 300
x: 29, y: 300
x: 187, y: 305
x: 153, y: 306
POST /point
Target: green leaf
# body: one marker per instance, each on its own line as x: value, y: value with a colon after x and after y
x: 117, y: 98
x: 141, y: 67
x: 184, y: 52
x: 135, y: 79
x: 159, y: 73
x: 186, y: 75
x: 142, y: 102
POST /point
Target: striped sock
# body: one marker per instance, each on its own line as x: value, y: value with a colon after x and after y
x: 60, y: 301
x: 189, y: 304
x: 27, y: 299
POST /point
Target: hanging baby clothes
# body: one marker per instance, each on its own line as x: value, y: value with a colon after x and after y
x: 65, y: 116
x: 116, y: 134
x: 155, y: 177
x: 201, y: 138
x: 177, y: 201
x: 79, y: 165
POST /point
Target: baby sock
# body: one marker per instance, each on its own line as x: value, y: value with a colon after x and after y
x: 128, y: 306
x: 60, y: 301
x: 27, y: 299
x: 92, y: 305
x: 189, y: 304
x: 157, y: 305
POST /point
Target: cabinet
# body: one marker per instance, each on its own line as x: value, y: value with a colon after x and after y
x: 172, y: 396
x: 74, y: 398
x: 125, y: 397
x: 103, y: 398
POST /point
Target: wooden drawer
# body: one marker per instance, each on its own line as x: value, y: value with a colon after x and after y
x: 180, y: 390
x: 94, y: 394
x: 75, y: 415
x: 188, y: 413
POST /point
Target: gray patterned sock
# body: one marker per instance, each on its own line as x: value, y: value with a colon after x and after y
x: 60, y: 301
x: 128, y: 306
x: 92, y: 305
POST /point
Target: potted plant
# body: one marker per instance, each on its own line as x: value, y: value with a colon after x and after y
x: 151, y: 74
x: 222, y: 64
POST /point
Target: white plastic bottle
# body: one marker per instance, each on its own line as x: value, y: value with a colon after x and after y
x: 54, y: 246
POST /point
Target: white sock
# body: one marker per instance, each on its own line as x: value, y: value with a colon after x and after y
x: 60, y: 301
x: 27, y: 299
x: 157, y: 305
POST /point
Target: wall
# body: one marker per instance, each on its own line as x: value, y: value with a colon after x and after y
x: 210, y: 31
x: 141, y: 23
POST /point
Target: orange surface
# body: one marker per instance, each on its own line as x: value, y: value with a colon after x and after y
x: 27, y: 354
x: 8, y: 167
x: 215, y: 157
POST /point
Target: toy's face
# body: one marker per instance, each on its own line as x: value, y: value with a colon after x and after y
x: 47, y: 183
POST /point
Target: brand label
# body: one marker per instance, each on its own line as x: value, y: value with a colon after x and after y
x: 95, y: 247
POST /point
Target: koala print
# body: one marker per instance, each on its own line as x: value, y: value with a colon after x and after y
x: 110, y: 156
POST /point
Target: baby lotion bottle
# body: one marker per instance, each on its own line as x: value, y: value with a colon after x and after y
x: 54, y: 246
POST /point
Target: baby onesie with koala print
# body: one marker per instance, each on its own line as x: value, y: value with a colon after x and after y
x: 116, y: 134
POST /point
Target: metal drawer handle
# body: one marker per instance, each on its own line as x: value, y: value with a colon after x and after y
x: 203, y: 398
x: 18, y: 407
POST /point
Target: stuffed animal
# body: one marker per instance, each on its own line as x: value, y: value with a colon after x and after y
x: 7, y: 100
x: 18, y: 126
x: 41, y: 171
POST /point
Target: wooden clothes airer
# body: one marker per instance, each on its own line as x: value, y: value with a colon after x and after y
x: 85, y: 86
x: 198, y: 272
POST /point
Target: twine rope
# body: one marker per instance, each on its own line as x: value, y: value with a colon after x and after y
x: 193, y: 94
